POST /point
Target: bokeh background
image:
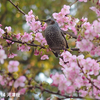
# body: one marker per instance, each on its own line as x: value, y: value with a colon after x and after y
x: 29, y: 63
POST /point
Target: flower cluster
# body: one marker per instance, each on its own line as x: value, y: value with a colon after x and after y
x: 96, y: 10
x: 77, y: 73
x: 34, y: 24
x: 65, y: 22
x: 39, y: 37
x: 2, y: 56
x: 13, y: 66
x: 26, y: 37
x: 88, y: 37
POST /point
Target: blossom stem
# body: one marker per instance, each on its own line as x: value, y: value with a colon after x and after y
x: 16, y: 6
x: 35, y: 45
x: 73, y: 3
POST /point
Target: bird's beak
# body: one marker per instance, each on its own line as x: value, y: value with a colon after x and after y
x: 45, y: 20
x: 42, y: 20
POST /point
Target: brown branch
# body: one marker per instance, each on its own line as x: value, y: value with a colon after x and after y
x: 32, y: 44
x: 73, y: 3
x: 16, y: 6
x: 35, y: 45
x: 98, y: 61
x: 75, y: 49
x: 56, y: 93
x: 69, y: 33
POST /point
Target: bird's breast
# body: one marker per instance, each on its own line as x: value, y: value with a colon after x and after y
x: 54, y: 38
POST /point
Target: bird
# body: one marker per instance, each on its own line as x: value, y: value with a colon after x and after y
x: 55, y: 37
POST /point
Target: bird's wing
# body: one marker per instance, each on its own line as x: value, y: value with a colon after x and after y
x: 62, y: 32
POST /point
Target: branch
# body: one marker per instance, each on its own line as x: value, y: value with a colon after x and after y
x: 98, y: 61
x: 16, y: 6
x: 75, y: 49
x: 56, y: 93
x: 69, y: 33
x: 73, y: 3
x: 35, y: 45
x: 32, y: 44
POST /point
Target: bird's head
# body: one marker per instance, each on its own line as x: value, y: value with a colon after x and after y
x: 50, y: 21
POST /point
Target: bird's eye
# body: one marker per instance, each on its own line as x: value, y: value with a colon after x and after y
x: 49, y: 19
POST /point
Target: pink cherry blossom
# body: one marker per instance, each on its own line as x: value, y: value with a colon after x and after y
x: 12, y: 55
x: 30, y: 17
x: 39, y: 37
x: 26, y: 37
x: 55, y: 15
x: 13, y: 66
x: 56, y: 79
x: 36, y: 52
x: 90, y: 69
x: 97, y: 81
x: 11, y: 83
x: 1, y: 32
x: 84, y: 19
x: 82, y: 0
x: 9, y: 42
x: 61, y: 62
x: 8, y: 29
x: 66, y: 56
x: 74, y: 30
x: 22, y: 91
x: 18, y: 36
x: 97, y: 11
x: 1, y: 47
x: 70, y: 89
x: 96, y: 51
x: 24, y: 48
x: 2, y: 80
x: 96, y: 27
x: 84, y: 45
x: 20, y: 82
x: 44, y: 57
x: 62, y: 86
x: 0, y: 25
x: 35, y: 26
x: 83, y: 93
x: 65, y: 10
x: 2, y: 56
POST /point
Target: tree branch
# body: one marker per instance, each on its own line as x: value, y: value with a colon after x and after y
x: 69, y: 33
x: 73, y: 3
x: 16, y: 6
x: 56, y: 93
x: 35, y: 45
x: 32, y: 44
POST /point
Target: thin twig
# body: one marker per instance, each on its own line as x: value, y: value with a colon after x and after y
x: 35, y: 45
x: 69, y: 33
x: 16, y: 6
x: 56, y: 93
x: 73, y: 3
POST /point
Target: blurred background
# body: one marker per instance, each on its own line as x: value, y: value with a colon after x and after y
x: 31, y: 64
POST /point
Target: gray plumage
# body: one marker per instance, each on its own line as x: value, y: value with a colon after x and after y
x: 55, y: 37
